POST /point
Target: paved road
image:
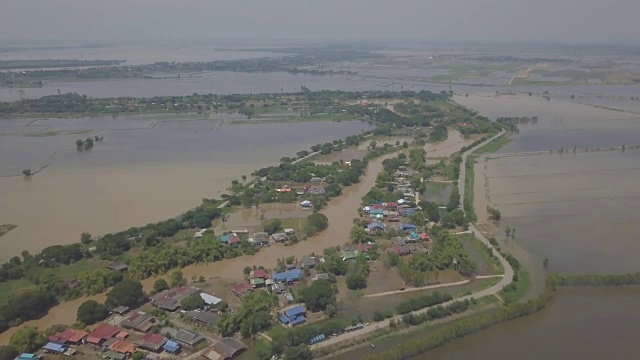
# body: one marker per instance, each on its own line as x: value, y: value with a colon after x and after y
x: 430, y: 287
x: 507, y: 278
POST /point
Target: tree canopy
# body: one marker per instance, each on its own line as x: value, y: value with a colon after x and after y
x: 28, y: 339
x: 126, y: 293
x: 318, y: 295
x: 90, y: 312
x: 192, y: 302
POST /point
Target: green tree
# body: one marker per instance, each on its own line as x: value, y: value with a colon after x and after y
x: 138, y: 355
x: 79, y: 143
x: 273, y: 226
x: 318, y: 295
x: 373, y: 144
x: 160, y: 285
x: 176, y: 278
x: 300, y: 352
x: 356, y: 279
x: 8, y: 352
x: 26, y: 172
x: 28, y: 339
x: 90, y: 312
x: 126, y: 293
x: 192, y: 302
x: 358, y: 235
x: 316, y: 223
x: 263, y: 351
x: 85, y: 238
x: 88, y: 143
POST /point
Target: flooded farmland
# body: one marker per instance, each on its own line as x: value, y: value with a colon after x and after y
x: 582, y: 323
x: 145, y: 170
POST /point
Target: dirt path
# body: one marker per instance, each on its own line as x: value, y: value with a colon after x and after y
x: 429, y: 287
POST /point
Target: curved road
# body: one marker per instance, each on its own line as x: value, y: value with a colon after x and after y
x: 507, y: 278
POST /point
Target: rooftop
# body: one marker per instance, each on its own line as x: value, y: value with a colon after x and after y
x: 294, y: 311
x: 229, y: 347
x: 188, y: 338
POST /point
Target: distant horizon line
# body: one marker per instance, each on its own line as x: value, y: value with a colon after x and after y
x: 298, y: 42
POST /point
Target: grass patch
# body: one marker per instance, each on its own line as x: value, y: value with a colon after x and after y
x: 298, y: 225
x: 4, y: 229
x: 71, y: 271
x: 518, y: 288
x: 356, y: 293
x: 481, y: 248
x: 14, y: 287
x: 494, y: 145
x: 467, y: 202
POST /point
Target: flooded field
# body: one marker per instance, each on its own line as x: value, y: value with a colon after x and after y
x: 578, y: 324
x: 579, y: 211
x: 145, y: 170
x: 561, y: 123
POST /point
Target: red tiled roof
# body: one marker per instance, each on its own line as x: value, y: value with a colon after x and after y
x: 234, y: 240
x: 123, y: 347
x: 104, y: 331
x: 154, y: 338
x: 242, y: 288
x: 424, y: 236
x: 260, y: 273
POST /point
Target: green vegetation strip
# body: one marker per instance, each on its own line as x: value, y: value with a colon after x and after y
x: 494, y: 145
x: 4, y: 229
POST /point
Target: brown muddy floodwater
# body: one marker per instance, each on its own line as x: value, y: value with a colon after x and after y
x: 145, y: 170
x: 580, y: 211
x: 582, y: 323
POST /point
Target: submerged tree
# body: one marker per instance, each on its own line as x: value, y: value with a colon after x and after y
x: 26, y: 172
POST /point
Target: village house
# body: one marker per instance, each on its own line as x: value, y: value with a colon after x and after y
x: 199, y: 234
x: 257, y: 282
x: 424, y: 236
x: 69, y: 336
x: 417, y: 248
x: 289, y: 232
x: 171, y: 347
x: 170, y: 299
x: 259, y: 273
x: 241, y: 289
x: 118, y: 266
x: 224, y: 349
x: 280, y: 237
x: 120, y: 310
x: 210, y: 299
x: 288, y: 276
x: 375, y: 227
x: 138, y: 321
x: 407, y: 227
x: 205, y: 317
x: 123, y: 347
x: 401, y: 250
x: 101, y: 333
x: 152, y: 342
x: 188, y: 338
x: 293, y: 316
x: 307, y: 262
x: 54, y: 348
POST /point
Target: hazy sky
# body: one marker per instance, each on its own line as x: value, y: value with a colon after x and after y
x: 584, y: 21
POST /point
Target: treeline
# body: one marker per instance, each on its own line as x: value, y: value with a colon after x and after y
x: 515, y: 120
x: 437, y: 312
x: 596, y: 280
x: 52, y: 63
x: 290, y: 64
x: 324, y: 101
x: 422, y: 302
x: 25, y: 306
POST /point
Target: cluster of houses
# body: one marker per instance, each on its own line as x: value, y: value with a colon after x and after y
x: 414, y: 243
x: 302, y: 190
x: 127, y: 332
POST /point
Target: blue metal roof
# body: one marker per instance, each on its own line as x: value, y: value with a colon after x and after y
x: 298, y: 320
x: 288, y: 275
x: 283, y: 319
x: 225, y: 238
x: 171, y: 346
x: 51, y: 346
x: 408, y: 226
x: 294, y: 311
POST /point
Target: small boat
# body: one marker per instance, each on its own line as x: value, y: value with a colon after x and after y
x: 373, y: 346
